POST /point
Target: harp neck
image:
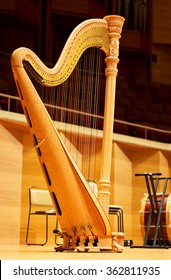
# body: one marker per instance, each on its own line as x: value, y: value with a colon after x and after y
x: 90, y: 33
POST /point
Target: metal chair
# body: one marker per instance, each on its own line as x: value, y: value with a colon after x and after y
x: 113, y: 209
x: 40, y: 197
x: 117, y: 210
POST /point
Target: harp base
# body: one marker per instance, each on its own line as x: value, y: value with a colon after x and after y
x: 117, y: 249
x: 112, y: 243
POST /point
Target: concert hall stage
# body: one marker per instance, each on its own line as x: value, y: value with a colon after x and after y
x: 47, y: 252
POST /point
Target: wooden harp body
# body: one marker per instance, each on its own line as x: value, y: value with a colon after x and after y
x: 82, y: 216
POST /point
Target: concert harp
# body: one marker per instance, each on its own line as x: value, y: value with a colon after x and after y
x: 82, y: 216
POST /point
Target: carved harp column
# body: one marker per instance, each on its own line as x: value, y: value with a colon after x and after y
x: 115, y: 24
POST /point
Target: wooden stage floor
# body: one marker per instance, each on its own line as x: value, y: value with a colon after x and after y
x: 47, y: 252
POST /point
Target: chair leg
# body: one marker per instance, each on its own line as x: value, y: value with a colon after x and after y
x: 46, y: 229
x: 118, y: 219
x: 56, y: 234
x: 122, y: 220
x: 119, y: 213
x: 28, y: 227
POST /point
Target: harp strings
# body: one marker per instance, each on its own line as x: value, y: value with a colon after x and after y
x: 91, y: 94
x: 75, y: 104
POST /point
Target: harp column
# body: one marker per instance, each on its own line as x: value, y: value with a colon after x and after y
x: 115, y: 24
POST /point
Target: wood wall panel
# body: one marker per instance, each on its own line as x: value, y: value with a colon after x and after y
x: 161, y: 22
x: 161, y: 67
x: 121, y: 192
x: 10, y: 186
x: 31, y: 176
x: 20, y: 169
x: 161, y: 40
x: 82, y: 8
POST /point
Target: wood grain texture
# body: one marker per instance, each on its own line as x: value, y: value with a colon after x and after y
x: 10, y: 186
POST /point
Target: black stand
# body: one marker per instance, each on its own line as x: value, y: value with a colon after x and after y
x: 159, y: 240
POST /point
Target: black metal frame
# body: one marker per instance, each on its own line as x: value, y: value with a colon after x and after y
x: 117, y: 210
x: 152, y: 182
x: 44, y: 213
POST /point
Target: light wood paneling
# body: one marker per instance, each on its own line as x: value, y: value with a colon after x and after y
x: 121, y: 193
x: 161, y: 22
x: 31, y: 176
x: 10, y: 186
x: 161, y: 68
x: 20, y: 169
x: 161, y: 40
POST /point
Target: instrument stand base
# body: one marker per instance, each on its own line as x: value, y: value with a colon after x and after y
x: 78, y: 249
x: 154, y: 220
x: 151, y: 246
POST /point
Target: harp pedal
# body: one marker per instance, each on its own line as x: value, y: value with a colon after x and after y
x: 61, y: 234
x: 67, y: 242
x: 90, y: 229
x: 87, y: 240
x: 77, y: 243
x: 96, y: 240
x: 86, y: 237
